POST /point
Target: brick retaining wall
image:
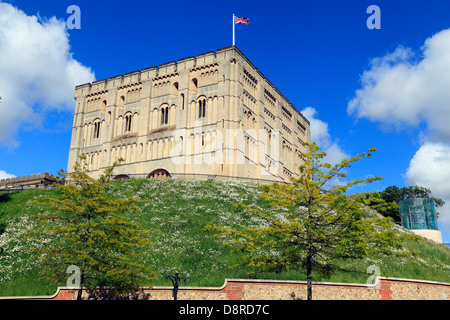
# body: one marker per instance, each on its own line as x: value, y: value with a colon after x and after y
x: 237, y: 289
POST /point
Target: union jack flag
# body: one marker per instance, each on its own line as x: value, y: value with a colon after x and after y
x: 242, y: 20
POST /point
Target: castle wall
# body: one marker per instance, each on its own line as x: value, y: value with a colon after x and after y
x: 213, y: 115
x: 239, y: 289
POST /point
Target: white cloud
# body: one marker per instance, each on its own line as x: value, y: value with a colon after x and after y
x: 405, y: 90
x: 5, y: 175
x: 37, y: 71
x: 402, y: 89
x: 320, y: 135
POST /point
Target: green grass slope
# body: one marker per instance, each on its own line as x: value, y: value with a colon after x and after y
x: 175, y: 215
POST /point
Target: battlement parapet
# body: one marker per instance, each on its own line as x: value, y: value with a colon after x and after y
x: 33, y: 181
x: 156, y: 71
x: 174, y: 68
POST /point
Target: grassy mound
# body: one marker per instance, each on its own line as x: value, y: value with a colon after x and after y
x: 175, y: 215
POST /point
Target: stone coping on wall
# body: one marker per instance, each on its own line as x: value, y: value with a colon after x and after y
x: 253, y: 289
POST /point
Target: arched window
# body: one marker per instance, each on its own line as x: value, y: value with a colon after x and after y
x: 194, y: 85
x: 96, y: 129
x: 122, y: 102
x: 175, y: 90
x: 159, y: 174
x: 202, y: 108
x: 121, y: 177
x: 128, y: 122
x: 164, y: 115
x: 166, y: 119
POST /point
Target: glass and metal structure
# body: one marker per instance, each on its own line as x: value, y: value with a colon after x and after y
x: 418, y: 213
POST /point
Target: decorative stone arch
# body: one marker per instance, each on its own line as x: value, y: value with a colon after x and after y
x: 121, y: 177
x: 108, y: 118
x: 159, y: 174
x: 154, y: 118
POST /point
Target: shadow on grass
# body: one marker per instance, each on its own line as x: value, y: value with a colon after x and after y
x: 5, y: 197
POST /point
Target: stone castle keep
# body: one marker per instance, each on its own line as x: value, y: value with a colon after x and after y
x: 213, y: 116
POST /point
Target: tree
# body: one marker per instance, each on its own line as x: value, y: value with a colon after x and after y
x: 378, y: 202
x: 323, y: 227
x: 87, y: 227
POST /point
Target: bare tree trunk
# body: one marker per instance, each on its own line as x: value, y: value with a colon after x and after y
x: 80, y: 290
x: 83, y: 265
x: 308, y: 276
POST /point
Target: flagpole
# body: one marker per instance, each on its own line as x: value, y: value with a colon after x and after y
x: 234, y: 23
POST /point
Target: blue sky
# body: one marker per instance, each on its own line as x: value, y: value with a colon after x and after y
x: 363, y: 88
